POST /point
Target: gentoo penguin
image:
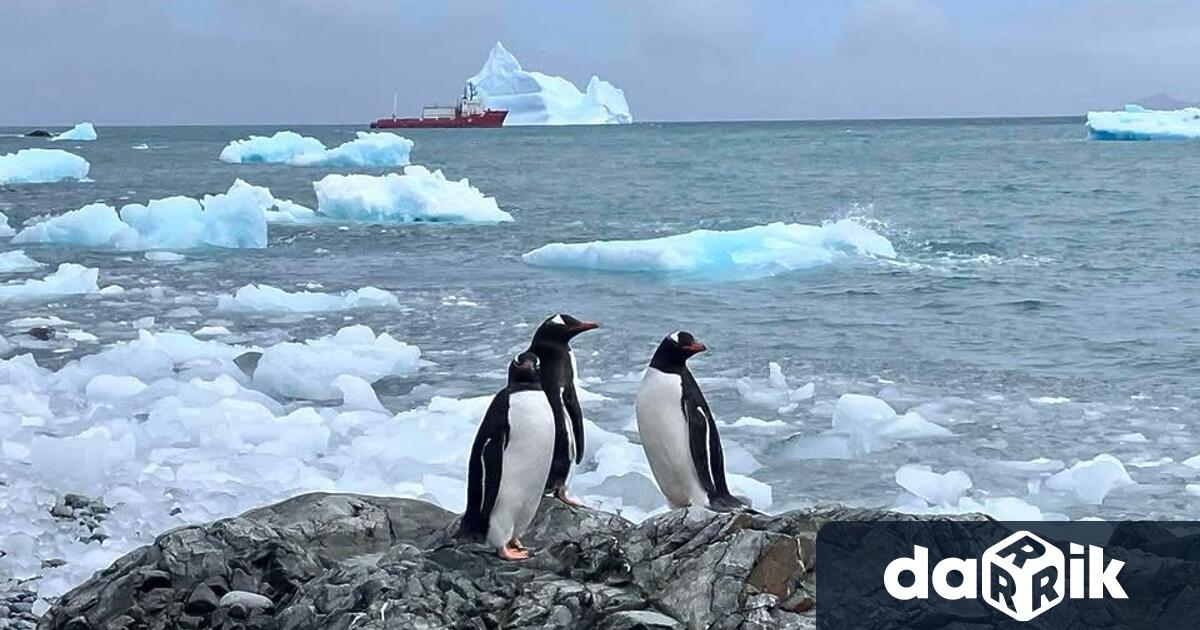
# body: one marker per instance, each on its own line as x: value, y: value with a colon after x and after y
x: 510, y: 460
x: 678, y: 431
x: 552, y: 344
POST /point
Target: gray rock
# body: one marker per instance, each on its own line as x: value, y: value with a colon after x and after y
x: 326, y: 561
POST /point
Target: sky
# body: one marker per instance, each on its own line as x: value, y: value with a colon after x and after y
x: 340, y: 61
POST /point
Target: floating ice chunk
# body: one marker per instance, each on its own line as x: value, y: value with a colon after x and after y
x: 81, y: 462
x: 945, y: 489
x: 1192, y: 462
x: 368, y: 149
x: 290, y: 212
x: 308, y: 370
x: 870, y: 424
x: 262, y: 298
x: 106, y: 387
x: 234, y: 219
x: 748, y: 422
x: 16, y: 261
x: 533, y: 98
x: 1049, y: 400
x: 289, y: 147
x: 418, y: 195
x: 357, y: 393
x: 1091, y: 480
x: 165, y: 257
x: 775, y: 393
x: 5, y: 229
x: 275, y: 149
x: 70, y: 279
x: 761, y: 250
x: 756, y: 491
x: 1139, y: 123
x: 37, y: 166
x: 211, y: 331
x: 83, y: 131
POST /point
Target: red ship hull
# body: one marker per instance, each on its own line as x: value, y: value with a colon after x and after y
x: 490, y: 118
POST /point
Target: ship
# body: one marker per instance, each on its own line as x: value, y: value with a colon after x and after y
x: 469, y: 112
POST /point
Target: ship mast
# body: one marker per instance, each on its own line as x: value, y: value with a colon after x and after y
x: 393, y: 105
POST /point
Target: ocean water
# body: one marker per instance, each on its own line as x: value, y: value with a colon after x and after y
x: 1043, y: 302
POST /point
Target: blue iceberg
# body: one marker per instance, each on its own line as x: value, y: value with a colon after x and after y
x: 1139, y: 123
x: 39, y: 166
x: 234, y: 219
x: 533, y: 98
x: 762, y: 250
x: 417, y: 196
x: 83, y: 131
x: 288, y: 147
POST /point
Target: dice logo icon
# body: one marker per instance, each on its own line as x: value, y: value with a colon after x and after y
x: 1023, y: 576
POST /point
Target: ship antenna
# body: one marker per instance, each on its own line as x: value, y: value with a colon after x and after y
x: 393, y: 105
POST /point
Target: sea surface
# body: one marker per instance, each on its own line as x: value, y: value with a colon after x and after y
x: 1044, y: 301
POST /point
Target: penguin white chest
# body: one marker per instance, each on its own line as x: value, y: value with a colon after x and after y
x: 664, y: 433
x: 525, y: 467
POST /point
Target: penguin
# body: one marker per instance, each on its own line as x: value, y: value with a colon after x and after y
x: 678, y: 431
x: 510, y: 460
x: 552, y: 345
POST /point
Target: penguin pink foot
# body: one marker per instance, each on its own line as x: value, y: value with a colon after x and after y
x: 510, y: 553
x: 561, y: 495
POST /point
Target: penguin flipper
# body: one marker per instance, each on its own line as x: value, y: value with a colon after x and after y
x: 700, y: 443
x: 571, y: 402
x: 486, y: 465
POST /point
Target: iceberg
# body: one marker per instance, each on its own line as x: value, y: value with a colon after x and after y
x: 16, y: 261
x: 82, y: 131
x: 533, y: 98
x: 41, y: 166
x: 5, y: 229
x: 419, y: 195
x: 261, y: 298
x: 1139, y: 123
x: 762, y: 250
x: 309, y: 370
x: 69, y: 279
x: 1091, y: 480
x: 289, y: 147
x: 234, y: 219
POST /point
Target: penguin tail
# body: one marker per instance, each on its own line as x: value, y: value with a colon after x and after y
x: 730, y: 503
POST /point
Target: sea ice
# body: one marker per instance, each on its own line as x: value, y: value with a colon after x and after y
x: 262, y: 298
x: 38, y: 166
x: 870, y: 424
x: 82, y: 131
x: 16, y: 261
x: 5, y: 229
x: 775, y: 392
x: 368, y: 149
x: 1139, y: 123
x: 69, y: 279
x: 308, y: 370
x: 945, y: 489
x: 761, y: 250
x: 533, y: 98
x: 1091, y: 480
x: 234, y: 219
x: 419, y: 195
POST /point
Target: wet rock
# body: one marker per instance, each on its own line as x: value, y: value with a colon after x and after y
x: 38, y: 133
x: 325, y: 561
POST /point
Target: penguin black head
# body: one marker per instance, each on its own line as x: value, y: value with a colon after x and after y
x: 523, y: 370
x: 675, y: 349
x: 562, y: 328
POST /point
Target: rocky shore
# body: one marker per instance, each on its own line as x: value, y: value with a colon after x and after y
x: 348, y: 561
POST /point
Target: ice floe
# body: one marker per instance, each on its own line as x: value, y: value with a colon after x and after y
x: 69, y: 279
x: 419, y: 195
x: 234, y: 219
x: 83, y: 131
x: 1139, y: 123
x: 862, y: 425
x: 261, y: 298
x: 775, y: 392
x: 39, y: 166
x: 533, y: 98
x: 368, y: 149
x: 16, y: 262
x: 307, y: 370
x: 759, y: 250
x: 5, y: 229
x: 944, y: 489
x: 1091, y: 480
